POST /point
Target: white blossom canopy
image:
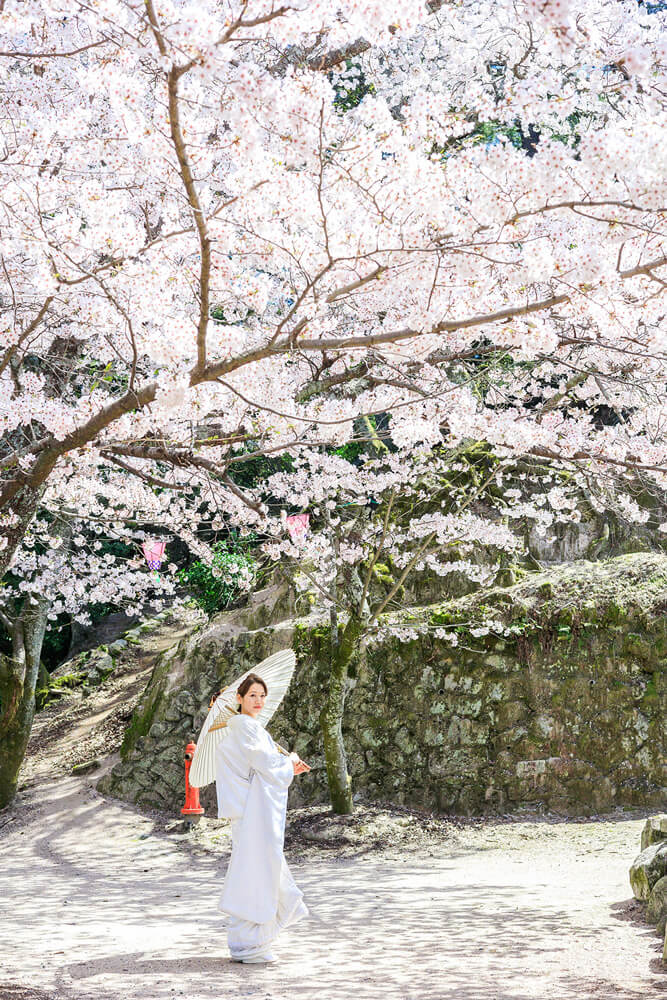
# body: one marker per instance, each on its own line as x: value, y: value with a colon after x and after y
x: 201, y: 229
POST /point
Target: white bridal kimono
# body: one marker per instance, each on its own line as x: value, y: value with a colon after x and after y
x: 259, y: 894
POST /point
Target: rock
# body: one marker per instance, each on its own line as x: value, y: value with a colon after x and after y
x: 647, y: 869
x: 161, y: 729
x: 86, y: 767
x: 267, y: 606
x: 509, y: 713
x: 656, y: 912
x: 655, y: 830
x: 104, y: 630
x: 177, y: 826
x: 118, y: 646
x: 98, y: 668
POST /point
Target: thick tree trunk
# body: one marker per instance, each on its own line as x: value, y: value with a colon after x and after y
x: 18, y: 677
x: 331, y: 718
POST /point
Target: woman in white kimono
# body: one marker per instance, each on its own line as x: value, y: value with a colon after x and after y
x: 252, y: 778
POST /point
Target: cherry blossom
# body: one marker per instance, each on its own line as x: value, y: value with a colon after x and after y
x: 207, y: 256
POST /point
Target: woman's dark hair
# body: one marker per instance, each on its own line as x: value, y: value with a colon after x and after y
x: 247, y: 683
x: 242, y: 689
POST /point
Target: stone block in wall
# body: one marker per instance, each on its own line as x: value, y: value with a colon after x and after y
x: 508, y: 713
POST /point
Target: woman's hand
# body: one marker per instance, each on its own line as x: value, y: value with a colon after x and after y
x: 300, y: 766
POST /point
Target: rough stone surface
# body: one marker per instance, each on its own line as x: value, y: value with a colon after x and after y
x: 86, y: 767
x: 96, y: 662
x: 656, y: 911
x: 86, y: 637
x: 88, y: 669
x: 648, y: 868
x: 567, y: 711
x: 655, y: 830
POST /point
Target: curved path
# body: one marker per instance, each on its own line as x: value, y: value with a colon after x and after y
x: 99, y: 903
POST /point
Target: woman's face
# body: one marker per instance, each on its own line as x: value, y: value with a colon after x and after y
x: 252, y: 701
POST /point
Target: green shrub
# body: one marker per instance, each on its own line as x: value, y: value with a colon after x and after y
x: 220, y: 585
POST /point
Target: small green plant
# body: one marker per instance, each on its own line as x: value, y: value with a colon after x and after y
x: 232, y: 573
x: 351, y: 87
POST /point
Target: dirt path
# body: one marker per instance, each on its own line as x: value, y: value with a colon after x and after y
x: 100, y: 902
x: 106, y: 905
x: 89, y: 723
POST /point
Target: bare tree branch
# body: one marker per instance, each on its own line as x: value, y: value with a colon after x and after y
x: 54, y: 55
x: 145, y: 476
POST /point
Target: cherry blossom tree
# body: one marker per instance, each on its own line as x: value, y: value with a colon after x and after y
x: 372, y: 524
x: 376, y: 524
x: 64, y: 565
x: 198, y: 232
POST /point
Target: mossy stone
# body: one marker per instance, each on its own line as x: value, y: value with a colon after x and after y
x: 655, y: 830
x: 647, y: 869
x: 656, y: 911
x: 437, y: 728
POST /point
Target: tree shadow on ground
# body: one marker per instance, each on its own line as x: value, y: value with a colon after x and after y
x: 115, y: 912
x: 13, y: 991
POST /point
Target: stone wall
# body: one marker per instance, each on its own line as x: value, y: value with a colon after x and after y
x: 567, y: 711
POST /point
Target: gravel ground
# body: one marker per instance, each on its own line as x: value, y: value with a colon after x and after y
x: 106, y: 902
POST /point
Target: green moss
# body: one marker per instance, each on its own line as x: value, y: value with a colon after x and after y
x: 311, y: 643
x: 441, y: 617
x: 140, y: 724
x: 56, y: 687
x: 615, y: 613
x: 651, y: 700
x: 383, y: 574
x: 144, y: 713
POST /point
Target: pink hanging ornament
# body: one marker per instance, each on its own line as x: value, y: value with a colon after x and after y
x: 154, y: 553
x: 297, y: 526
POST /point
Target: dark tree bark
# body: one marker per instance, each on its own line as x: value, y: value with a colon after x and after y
x: 331, y: 717
x: 18, y: 677
x: 19, y: 673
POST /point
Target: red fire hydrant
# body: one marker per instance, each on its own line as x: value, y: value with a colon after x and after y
x: 191, y: 807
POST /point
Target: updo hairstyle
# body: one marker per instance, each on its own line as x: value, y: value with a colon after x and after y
x: 247, y: 683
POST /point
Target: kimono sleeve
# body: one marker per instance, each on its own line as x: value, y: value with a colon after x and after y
x: 262, y: 756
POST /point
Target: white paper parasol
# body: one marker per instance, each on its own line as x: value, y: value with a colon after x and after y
x: 277, y: 671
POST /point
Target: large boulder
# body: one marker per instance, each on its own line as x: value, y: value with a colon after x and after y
x: 656, y: 911
x: 648, y: 868
x: 655, y: 830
